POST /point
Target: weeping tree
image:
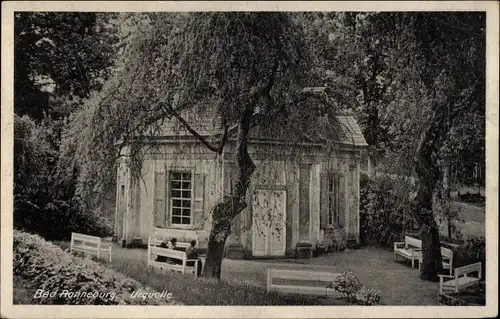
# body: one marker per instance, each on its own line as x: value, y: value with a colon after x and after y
x: 439, y: 89
x: 249, y: 67
x: 418, y: 82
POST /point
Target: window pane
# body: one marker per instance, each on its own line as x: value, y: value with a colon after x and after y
x: 176, y: 185
x: 186, y: 220
x: 177, y: 203
x: 186, y: 212
x: 186, y: 185
x: 186, y: 176
x: 176, y: 175
x: 176, y: 220
x: 186, y: 194
x: 186, y: 203
x: 176, y: 193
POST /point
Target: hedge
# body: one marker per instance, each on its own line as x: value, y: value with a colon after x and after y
x: 46, y: 267
x: 386, y: 212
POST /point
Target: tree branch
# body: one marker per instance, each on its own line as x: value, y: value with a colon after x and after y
x: 193, y: 132
x: 223, y: 139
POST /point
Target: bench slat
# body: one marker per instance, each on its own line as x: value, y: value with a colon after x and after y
x: 157, y: 242
x: 305, y: 290
x: 467, y: 269
x: 408, y: 254
x: 77, y: 236
x: 166, y: 252
x: 90, y: 248
x: 410, y: 241
x: 302, y: 275
x: 298, y: 275
x: 461, y: 281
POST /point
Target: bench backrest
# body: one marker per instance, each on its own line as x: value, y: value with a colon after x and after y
x: 157, y: 240
x: 85, y: 238
x: 300, y: 275
x: 413, y: 242
x: 170, y: 253
x: 464, y: 270
x: 447, y: 253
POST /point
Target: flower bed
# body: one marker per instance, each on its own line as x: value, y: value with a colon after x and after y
x: 66, y: 279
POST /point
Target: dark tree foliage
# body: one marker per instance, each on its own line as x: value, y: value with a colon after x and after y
x: 70, y: 51
x: 59, y: 59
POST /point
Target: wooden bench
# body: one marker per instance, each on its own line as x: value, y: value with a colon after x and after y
x: 411, y: 249
x: 90, y: 244
x: 461, y: 278
x: 171, y: 254
x: 302, y: 288
x: 447, y: 256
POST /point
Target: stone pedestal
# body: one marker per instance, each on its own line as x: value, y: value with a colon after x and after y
x: 233, y: 251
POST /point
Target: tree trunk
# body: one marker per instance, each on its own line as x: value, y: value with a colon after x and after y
x: 230, y: 206
x: 432, y: 264
x: 222, y: 214
x: 427, y: 169
x: 431, y: 247
x: 213, y: 263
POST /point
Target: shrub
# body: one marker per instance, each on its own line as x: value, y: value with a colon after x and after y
x: 44, y: 201
x: 348, y: 284
x: 367, y: 296
x: 472, y: 251
x: 386, y: 212
x: 46, y: 266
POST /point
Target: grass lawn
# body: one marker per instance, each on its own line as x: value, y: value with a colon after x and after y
x: 473, y: 220
x: 375, y: 268
x: 232, y: 290
x: 243, y: 282
x: 236, y: 288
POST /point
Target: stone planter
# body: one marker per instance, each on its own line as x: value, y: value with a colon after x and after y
x: 303, y: 250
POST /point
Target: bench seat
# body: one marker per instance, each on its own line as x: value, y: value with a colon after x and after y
x: 184, y: 265
x: 90, y: 248
x: 408, y: 252
x: 408, y: 249
x: 461, y: 279
x: 462, y: 282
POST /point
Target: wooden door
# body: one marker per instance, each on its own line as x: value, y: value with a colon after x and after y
x: 269, y: 218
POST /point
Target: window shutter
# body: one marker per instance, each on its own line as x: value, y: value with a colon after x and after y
x: 160, y: 207
x: 198, y: 199
x: 324, y: 201
x: 341, y: 199
x: 167, y: 198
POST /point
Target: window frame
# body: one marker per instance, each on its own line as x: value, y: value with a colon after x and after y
x: 333, y: 215
x: 181, y: 189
